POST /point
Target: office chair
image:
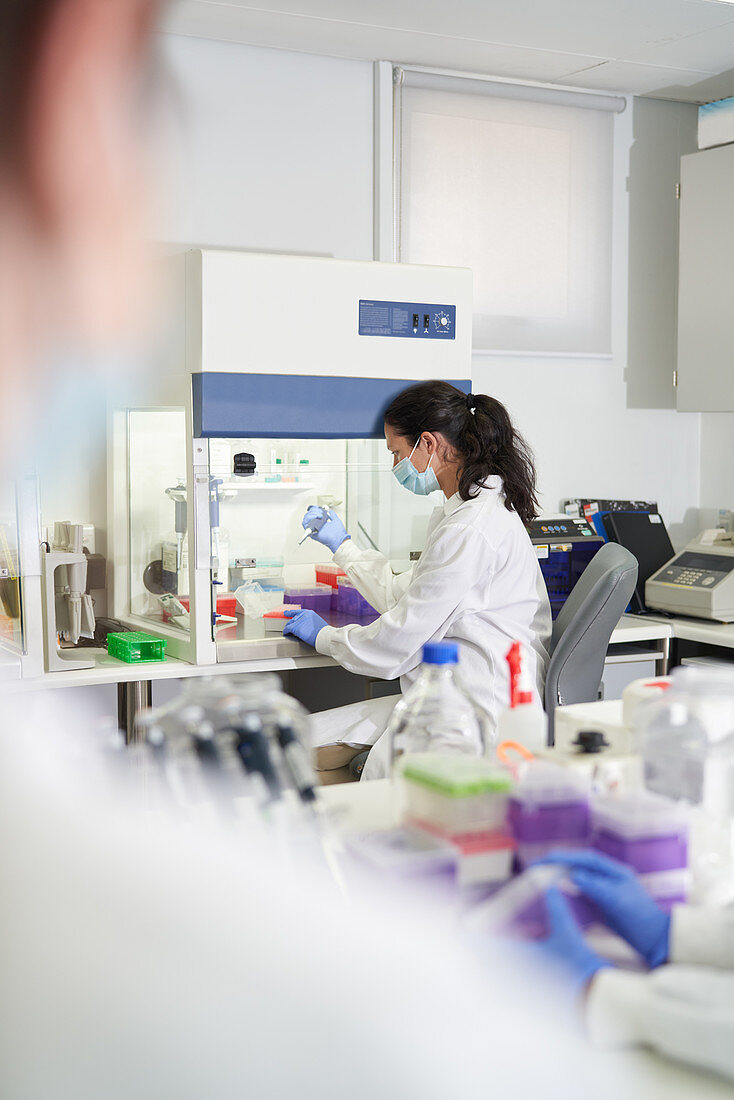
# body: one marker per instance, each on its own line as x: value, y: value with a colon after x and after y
x: 581, y: 634
x: 584, y: 626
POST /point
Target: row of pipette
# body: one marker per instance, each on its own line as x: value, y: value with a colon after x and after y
x: 229, y: 750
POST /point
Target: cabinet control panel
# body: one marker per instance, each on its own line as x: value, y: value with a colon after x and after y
x: 412, y: 320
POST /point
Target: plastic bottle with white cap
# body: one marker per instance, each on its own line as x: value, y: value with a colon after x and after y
x: 524, y: 721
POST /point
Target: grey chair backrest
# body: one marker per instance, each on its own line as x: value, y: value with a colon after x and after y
x: 584, y: 626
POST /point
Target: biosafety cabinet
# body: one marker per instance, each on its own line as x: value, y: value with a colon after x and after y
x: 273, y: 391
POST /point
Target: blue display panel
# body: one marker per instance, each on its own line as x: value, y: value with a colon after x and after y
x: 413, y: 320
x: 293, y: 406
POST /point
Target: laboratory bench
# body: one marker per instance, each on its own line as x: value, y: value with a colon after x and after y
x: 358, y: 807
x: 639, y: 646
x: 110, y: 670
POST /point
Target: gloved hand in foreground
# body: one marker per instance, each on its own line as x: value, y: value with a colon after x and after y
x: 627, y: 907
x: 305, y: 625
x: 565, y: 946
x: 329, y: 529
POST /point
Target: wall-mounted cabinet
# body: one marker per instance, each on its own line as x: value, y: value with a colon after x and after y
x: 706, y: 282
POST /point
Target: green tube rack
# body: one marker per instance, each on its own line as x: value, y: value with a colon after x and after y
x: 135, y: 646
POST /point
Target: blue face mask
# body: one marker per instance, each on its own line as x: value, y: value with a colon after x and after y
x: 411, y: 479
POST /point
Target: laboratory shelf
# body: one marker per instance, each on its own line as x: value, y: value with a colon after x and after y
x: 267, y: 486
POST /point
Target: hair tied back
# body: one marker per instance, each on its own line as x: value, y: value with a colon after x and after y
x: 471, y: 402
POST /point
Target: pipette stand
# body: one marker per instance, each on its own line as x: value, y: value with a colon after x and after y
x: 56, y: 613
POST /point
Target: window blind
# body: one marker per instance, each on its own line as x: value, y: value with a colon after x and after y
x: 514, y: 182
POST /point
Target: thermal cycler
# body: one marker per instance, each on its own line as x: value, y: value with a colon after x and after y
x: 699, y: 581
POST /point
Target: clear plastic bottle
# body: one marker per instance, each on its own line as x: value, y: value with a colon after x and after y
x: 437, y: 714
x: 686, y: 739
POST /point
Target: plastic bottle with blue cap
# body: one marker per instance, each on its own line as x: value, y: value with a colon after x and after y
x: 437, y: 713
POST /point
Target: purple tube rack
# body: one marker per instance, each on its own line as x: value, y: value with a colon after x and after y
x: 540, y: 823
x: 310, y: 597
x: 645, y: 854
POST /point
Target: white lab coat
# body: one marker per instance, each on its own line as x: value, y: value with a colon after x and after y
x: 477, y: 583
x: 684, y: 1010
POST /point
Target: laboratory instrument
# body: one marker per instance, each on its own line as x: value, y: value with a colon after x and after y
x: 315, y: 523
x: 636, y: 525
x: 68, y: 609
x: 248, y: 730
x: 436, y: 714
x: 564, y: 546
x: 699, y: 581
x: 258, y: 420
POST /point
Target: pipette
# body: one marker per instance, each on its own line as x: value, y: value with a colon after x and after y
x: 316, y: 525
x: 296, y: 761
x: 254, y: 752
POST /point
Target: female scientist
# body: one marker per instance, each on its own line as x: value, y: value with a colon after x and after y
x: 477, y: 582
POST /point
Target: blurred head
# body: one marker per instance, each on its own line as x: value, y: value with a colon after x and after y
x: 74, y: 180
x: 473, y: 436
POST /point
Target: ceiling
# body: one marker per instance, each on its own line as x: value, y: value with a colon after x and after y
x: 669, y: 49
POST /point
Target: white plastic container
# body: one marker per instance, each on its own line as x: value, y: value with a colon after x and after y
x: 524, y: 721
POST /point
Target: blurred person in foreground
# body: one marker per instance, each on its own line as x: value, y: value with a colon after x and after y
x: 139, y: 958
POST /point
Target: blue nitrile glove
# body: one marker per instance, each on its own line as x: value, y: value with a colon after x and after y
x: 330, y: 531
x: 627, y: 907
x: 565, y: 946
x: 306, y: 625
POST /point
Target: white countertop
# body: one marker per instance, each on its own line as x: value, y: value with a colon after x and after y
x: 108, y: 670
x: 633, y: 628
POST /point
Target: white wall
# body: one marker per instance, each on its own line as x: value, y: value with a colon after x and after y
x: 276, y: 150
x: 574, y: 412
x: 717, y: 464
x: 278, y: 155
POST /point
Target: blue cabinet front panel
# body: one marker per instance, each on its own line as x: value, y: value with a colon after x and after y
x: 293, y: 406
x: 413, y: 320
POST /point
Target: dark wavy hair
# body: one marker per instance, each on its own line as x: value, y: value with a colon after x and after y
x: 479, y: 430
